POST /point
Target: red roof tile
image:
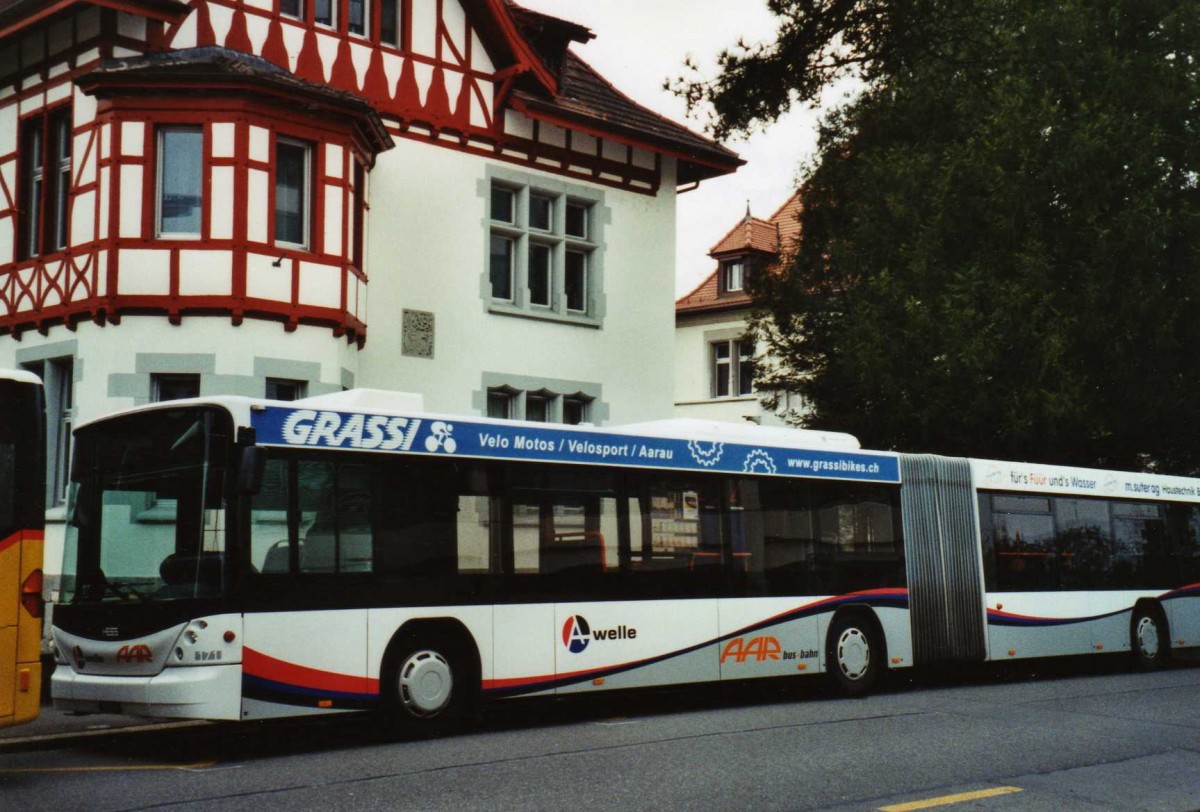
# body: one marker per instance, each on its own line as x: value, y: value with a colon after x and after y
x: 773, y: 237
x: 586, y: 98
x: 752, y: 234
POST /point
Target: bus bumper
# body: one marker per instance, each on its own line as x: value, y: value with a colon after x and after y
x: 200, y: 692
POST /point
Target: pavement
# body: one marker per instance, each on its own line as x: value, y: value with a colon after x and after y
x: 56, y: 728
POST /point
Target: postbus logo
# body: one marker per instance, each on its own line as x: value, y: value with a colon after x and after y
x: 576, y: 634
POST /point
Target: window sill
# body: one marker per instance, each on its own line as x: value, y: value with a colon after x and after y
x: 730, y: 399
x: 577, y: 320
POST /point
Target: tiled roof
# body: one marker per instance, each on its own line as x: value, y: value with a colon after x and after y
x: 787, y: 219
x: 707, y: 297
x: 585, y: 97
x: 751, y: 234
x: 16, y: 14
x: 212, y: 62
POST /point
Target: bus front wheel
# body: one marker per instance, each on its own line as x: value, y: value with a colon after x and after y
x: 1148, y: 639
x: 853, y: 654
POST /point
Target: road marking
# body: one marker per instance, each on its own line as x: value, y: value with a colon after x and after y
x: 946, y: 800
x: 116, y: 769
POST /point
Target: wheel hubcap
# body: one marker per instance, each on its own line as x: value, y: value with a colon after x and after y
x: 1147, y: 637
x: 425, y: 683
x: 853, y: 654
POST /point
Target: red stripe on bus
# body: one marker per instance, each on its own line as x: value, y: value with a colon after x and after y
x: 19, y: 536
x: 257, y: 664
x: 11, y: 541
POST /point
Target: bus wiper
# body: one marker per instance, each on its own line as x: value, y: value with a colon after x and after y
x: 125, y: 591
x: 192, y: 431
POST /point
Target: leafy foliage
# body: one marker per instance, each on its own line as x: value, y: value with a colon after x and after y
x: 999, y: 240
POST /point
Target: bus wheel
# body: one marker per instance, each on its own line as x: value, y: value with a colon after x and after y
x: 425, y: 689
x: 1148, y: 632
x: 853, y: 654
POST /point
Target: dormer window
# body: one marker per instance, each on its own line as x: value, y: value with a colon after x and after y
x: 733, y: 275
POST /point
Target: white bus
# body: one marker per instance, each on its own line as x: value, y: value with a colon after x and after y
x: 230, y: 558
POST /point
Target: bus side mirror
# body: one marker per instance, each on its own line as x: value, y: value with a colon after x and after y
x: 250, y: 472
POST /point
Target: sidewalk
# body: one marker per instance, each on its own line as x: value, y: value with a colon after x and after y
x: 57, y: 728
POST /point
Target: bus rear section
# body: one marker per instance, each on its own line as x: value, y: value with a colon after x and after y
x: 22, y: 514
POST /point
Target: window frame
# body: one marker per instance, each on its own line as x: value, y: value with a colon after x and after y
x: 733, y: 270
x: 43, y: 206
x: 272, y: 386
x: 533, y: 217
x: 305, y: 188
x: 301, y: 9
x: 158, y: 379
x: 738, y: 365
x: 333, y: 21
x: 160, y: 133
x: 398, y: 40
x: 366, y: 6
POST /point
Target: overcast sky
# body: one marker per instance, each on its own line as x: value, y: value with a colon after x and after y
x: 638, y: 44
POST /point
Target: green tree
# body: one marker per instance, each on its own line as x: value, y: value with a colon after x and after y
x: 999, y: 237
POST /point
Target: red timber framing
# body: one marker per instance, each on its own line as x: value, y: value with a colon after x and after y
x: 452, y: 96
x: 85, y: 281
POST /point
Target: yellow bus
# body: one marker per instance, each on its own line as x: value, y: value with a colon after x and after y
x: 22, y: 519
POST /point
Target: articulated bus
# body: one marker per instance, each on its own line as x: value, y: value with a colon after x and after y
x: 22, y: 520
x: 231, y: 558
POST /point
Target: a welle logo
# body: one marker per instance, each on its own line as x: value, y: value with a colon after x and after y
x: 335, y: 430
x: 577, y: 634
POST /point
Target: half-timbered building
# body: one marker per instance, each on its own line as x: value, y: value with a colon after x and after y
x: 291, y: 197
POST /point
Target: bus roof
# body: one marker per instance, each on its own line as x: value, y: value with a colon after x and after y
x: 374, y: 420
x: 20, y: 376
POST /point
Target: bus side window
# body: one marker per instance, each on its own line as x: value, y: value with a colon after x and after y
x: 780, y: 548
x: 418, y: 519
x: 676, y: 525
x: 268, y: 521
x: 318, y: 517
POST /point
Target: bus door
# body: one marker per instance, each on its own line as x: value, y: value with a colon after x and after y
x: 670, y: 571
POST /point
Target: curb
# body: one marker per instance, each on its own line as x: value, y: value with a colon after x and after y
x: 52, y: 740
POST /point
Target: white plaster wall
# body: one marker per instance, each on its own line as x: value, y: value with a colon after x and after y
x: 105, y: 351
x: 693, y: 386
x: 113, y: 349
x: 428, y: 243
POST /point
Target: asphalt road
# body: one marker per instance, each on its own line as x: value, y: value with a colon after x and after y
x: 1047, y: 736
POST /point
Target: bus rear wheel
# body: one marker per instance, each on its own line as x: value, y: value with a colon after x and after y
x: 853, y: 654
x: 425, y: 687
x: 1148, y: 639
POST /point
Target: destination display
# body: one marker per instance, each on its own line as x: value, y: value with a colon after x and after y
x: 281, y: 426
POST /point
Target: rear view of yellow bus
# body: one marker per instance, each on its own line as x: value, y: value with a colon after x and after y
x: 22, y: 518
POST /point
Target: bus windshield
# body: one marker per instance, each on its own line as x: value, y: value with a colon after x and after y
x: 147, y: 509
